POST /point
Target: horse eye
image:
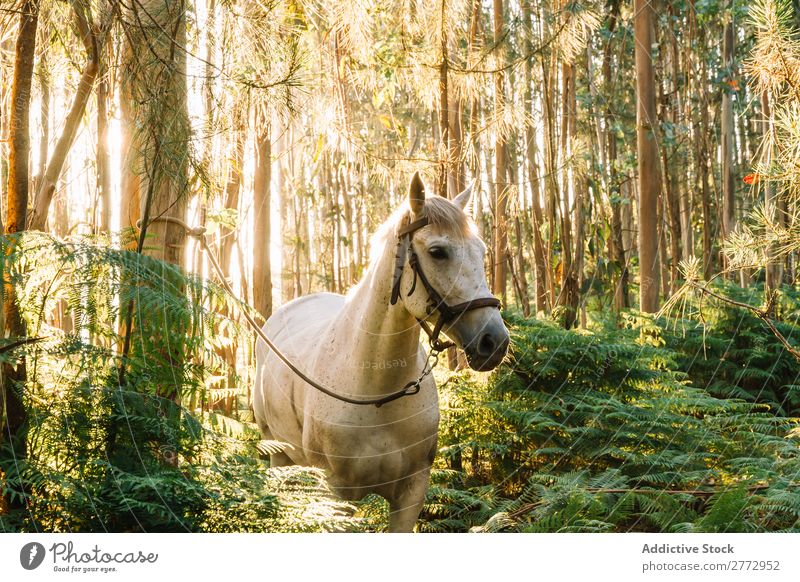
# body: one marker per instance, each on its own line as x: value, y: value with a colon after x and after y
x: 437, y: 253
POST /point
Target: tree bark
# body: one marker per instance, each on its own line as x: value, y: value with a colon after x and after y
x: 233, y: 187
x: 568, y: 294
x: 13, y: 414
x: 551, y: 188
x: 649, y: 178
x: 501, y: 163
x: 262, y: 264
x: 445, y: 152
x: 103, y: 155
x: 621, y: 299
x: 728, y: 187
x: 43, y: 73
x: 541, y: 271
x: 153, y: 90
x: 671, y: 206
x: 774, y: 268
x: 92, y: 41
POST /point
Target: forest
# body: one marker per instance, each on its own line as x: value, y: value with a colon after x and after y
x: 173, y: 170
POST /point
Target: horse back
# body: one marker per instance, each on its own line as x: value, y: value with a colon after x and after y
x: 304, y: 314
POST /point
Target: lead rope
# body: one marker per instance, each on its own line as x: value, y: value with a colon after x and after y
x: 412, y: 387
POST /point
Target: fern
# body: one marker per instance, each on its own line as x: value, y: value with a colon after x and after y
x: 606, y: 430
x: 147, y: 454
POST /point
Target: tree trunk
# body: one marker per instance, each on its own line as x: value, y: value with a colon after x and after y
x: 522, y: 280
x: 550, y: 167
x: 262, y: 265
x: 501, y: 163
x: 154, y: 91
x: 648, y: 163
x: 92, y: 41
x: 103, y: 155
x: 568, y: 294
x: 444, y: 108
x: 43, y: 73
x: 621, y: 299
x: 455, y: 175
x: 702, y: 155
x: 233, y: 188
x: 12, y: 384
x: 728, y: 187
x: 774, y: 270
x: 540, y: 262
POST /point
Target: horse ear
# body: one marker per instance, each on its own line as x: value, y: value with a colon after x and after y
x: 416, y: 194
x: 463, y: 199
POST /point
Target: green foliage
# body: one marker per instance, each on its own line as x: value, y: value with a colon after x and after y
x: 145, y: 454
x: 656, y: 425
x: 604, y: 430
x: 729, y: 352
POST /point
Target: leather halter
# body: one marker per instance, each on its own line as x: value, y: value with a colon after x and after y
x: 447, y: 313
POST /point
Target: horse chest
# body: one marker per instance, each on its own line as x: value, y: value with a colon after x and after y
x: 374, y: 455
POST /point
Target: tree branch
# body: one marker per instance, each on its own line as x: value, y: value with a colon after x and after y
x: 93, y: 39
x: 762, y: 314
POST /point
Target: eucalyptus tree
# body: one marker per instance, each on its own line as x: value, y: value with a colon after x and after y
x: 649, y: 178
x: 13, y: 415
x: 93, y: 35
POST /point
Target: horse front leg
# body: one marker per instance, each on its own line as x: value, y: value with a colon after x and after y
x: 405, y: 506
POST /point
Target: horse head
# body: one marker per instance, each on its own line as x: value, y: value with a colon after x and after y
x: 443, y: 281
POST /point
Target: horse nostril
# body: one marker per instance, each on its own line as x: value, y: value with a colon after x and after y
x: 487, y: 345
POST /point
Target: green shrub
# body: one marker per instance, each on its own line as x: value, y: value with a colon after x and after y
x: 599, y: 431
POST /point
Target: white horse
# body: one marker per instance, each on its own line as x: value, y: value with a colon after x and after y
x: 367, y: 345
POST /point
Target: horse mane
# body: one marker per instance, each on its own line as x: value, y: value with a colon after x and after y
x: 443, y: 213
x: 439, y: 211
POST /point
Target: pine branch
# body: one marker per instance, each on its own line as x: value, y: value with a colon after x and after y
x: 762, y: 314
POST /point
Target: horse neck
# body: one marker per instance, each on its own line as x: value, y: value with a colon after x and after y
x: 384, y: 338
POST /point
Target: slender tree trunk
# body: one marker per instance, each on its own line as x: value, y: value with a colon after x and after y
x: 349, y: 241
x: 455, y: 176
x: 774, y: 270
x: 705, y: 193
x: 686, y: 200
x: 702, y: 155
x: 19, y: 124
x: 43, y: 73
x: 13, y: 416
x: 662, y: 244
x: 550, y: 166
x: 501, y: 163
x: 445, y: 152
x: 675, y: 161
x: 568, y: 295
x: 520, y: 257
x: 672, y: 211
x: 540, y: 262
x: 474, y: 158
x: 103, y: 155
x: 262, y: 265
x: 621, y: 299
x: 233, y: 188
x: 154, y: 90
x: 92, y: 40
x: 279, y: 148
x: 131, y: 169
x: 728, y: 187
x: 648, y: 162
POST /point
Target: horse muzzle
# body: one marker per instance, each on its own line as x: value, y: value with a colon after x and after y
x: 488, y: 347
